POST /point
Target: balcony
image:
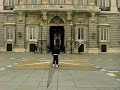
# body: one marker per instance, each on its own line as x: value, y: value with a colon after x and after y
x: 56, y: 8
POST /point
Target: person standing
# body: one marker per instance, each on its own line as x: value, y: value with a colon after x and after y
x: 79, y: 48
x: 35, y: 47
x: 55, y: 53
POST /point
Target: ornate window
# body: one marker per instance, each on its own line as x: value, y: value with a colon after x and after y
x: 104, y: 34
x: 56, y: 20
x: 104, y: 4
x: 32, y: 33
x: 9, y: 33
x: 80, y: 33
x: 8, y: 4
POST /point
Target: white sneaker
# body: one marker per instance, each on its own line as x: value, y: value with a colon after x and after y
x: 53, y: 65
x: 57, y: 66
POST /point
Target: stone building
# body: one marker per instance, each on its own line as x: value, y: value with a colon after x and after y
x: 65, y: 23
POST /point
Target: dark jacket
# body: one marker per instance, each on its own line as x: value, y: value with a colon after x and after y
x: 55, y: 51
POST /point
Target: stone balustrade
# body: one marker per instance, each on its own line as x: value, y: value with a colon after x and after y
x: 57, y: 7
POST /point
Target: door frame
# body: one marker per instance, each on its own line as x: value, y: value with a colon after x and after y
x: 64, y: 27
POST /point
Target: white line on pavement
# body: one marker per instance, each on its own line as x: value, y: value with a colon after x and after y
x: 23, y: 60
x: 98, y: 59
x: 103, y: 70
x: 15, y: 63
x: 2, y: 68
x: 11, y: 58
x: 110, y: 74
x: 118, y: 79
x: 9, y: 65
x: 113, y: 71
x: 110, y: 59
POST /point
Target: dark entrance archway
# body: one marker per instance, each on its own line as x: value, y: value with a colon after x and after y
x: 57, y: 37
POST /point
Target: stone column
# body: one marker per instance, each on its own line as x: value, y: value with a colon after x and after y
x: 92, y: 45
x: 69, y: 33
x: 113, y: 6
x: 1, y: 4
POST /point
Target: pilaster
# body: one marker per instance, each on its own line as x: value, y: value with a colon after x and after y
x: 1, y: 4
x: 113, y: 6
x: 20, y: 33
x: 92, y: 33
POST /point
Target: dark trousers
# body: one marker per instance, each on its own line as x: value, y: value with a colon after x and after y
x: 35, y: 50
x: 55, y: 59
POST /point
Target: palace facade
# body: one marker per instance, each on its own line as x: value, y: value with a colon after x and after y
x: 65, y: 23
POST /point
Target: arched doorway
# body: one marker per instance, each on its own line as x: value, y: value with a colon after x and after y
x: 56, y: 32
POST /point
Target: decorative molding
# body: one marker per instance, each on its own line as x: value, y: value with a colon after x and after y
x: 108, y: 25
x: 56, y: 20
x: 44, y: 15
x: 20, y: 15
x: 10, y: 24
x: 69, y: 16
x: 33, y: 19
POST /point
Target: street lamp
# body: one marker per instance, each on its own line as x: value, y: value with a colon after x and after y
x: 71, y: 38
x: 41, y: 35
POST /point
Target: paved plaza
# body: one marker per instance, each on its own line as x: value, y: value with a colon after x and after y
x: 29, y: 71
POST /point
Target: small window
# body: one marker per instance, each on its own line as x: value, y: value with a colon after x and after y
x: 103, y: 48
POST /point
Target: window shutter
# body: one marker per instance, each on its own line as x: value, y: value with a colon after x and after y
x: 107, y: 3
x: 36, y: 33
x: 81, y: 2
x: 27, y: 33
x: 5, y: 33
x: 13, y: 31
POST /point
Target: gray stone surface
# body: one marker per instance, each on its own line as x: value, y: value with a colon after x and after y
x: 36, y: 79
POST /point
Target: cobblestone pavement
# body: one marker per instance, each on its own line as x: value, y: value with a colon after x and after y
x: 28, y: 71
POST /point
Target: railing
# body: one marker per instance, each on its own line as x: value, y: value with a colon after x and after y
x: 57, y: 7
